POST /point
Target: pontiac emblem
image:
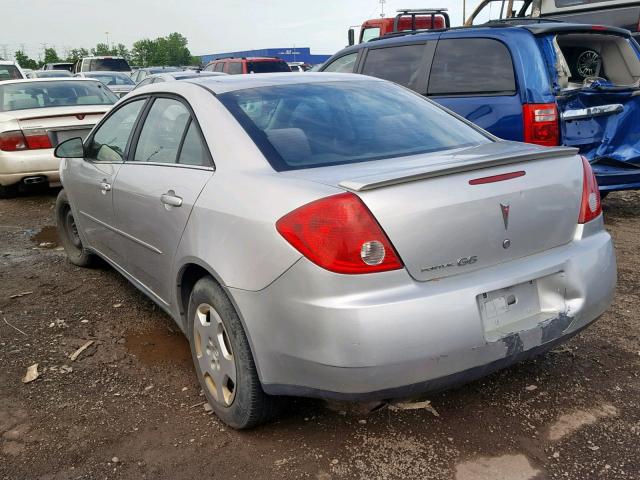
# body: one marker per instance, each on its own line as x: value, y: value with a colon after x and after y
x: 505, y: 214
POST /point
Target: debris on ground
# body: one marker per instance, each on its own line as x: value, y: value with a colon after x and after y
x: 207, y: 408
x: 32, y: 374
x: 531, y: 388
x: 117, y: 305
x: 426, y: 405
x: 21, y: 294
x: 77, y: 353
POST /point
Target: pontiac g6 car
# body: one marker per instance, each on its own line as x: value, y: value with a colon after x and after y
x: 335, y: 236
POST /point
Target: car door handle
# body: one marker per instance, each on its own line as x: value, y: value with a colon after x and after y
x: 105, y: 187
x: 171, y: 199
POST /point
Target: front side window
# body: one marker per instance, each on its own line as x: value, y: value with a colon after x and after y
x: 369, y: 33
x: 22, y: 96
x: 162, y: 132
x: 110, y: 139
x: 9, y: 72
x: 319, y: 124
x: 267, y: 67
x: 219, y: 67
x: 401, y: 65
x: 343, y: 64
x: 471, y: 66
x: 111, y: 78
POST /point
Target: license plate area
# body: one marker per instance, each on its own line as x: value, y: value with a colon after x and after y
x: 59, y: 136
x: 507, y: 310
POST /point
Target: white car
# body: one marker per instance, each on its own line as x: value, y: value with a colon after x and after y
x: 10, y: 70
x: 35, y: 116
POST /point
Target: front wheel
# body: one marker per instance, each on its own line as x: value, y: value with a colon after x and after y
x: 223, y: 360
x: 68, y: 233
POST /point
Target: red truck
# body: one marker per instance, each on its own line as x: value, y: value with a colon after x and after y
x: 405, y: 19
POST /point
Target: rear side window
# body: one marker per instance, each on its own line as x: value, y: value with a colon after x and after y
x: 235, y: 68
x: 9, y: 72
x: 343, y: 64
x: 401, y: 65
x: 162, y: 132
x: 192, y: 151
x: 471, y: 66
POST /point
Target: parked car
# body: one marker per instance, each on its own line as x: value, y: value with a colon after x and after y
x: 545, y: 83
x: 105, y: 64
x: 10, y: 70
x: 335, y: 236
x: 142, y: 73
x: 615, y: 13
x: 49, y: 74
x: 237, y: 66
x: 173, y: 76
x: 58, y: 66
x: 298, y: 66
x: 118, y: 82
x: 36, y: 115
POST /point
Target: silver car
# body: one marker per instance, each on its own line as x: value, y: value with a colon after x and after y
x: 335, y: 236
x: 119, y: 83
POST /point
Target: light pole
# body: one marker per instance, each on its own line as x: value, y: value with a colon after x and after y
x: 107, y: 34
x: 464, y: 11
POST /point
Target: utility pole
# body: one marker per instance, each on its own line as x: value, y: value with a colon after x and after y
x: 464, y: 11
x: 382, y: 2
x: 107, y: 34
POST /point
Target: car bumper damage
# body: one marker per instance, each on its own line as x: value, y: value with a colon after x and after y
x: 319, y: 334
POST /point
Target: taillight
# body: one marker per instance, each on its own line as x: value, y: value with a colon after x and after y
x: 591, y: 206
x: 12, y: 141
x: 37, y: 139
x: 340, y: 234
x: 27, y: 140
x: 541, y: 124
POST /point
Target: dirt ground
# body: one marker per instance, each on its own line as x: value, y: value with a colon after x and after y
x: 130, y: 407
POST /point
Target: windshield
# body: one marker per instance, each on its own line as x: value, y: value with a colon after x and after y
x: 108, y: 65
x: 26, y: 95
x: 111, y: 78
x: 267, y: 67
x: 319, y: 124
x: 9, y: 72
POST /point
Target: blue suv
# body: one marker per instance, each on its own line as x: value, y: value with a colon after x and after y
x: 544, y: 83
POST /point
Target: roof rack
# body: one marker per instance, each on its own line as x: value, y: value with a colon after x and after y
x: 413, y: 13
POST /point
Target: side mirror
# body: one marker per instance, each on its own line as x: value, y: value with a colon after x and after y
x: 71, y: 148
x: 351, y: 36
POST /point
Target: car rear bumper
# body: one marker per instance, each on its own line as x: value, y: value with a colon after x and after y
x: 315, y: 333
x: 16, y: 166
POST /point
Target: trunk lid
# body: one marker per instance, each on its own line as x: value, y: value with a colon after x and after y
x: 441, y: 225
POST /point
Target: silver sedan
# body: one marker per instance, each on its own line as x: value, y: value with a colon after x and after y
x: 335, y: 236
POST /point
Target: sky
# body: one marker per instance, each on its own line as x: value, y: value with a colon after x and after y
x: 211, y: 26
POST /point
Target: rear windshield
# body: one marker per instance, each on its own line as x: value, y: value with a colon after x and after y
x: 22, y: 96
x: 52, y: 73
x: 112, y: 78
x: 61, y: 66
x: 319, y: 124
x: 108, y: 64
x: 9, y: 72
x: 267, y: 67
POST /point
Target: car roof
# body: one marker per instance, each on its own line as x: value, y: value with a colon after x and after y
x: 535, y: 27
x: 54, y: 79
x: 7, y: 62
x: 104, y: 72
x: 229, y: 83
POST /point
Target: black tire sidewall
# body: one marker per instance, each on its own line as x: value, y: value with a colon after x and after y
x: 77, y: 256
x: 241, y: 413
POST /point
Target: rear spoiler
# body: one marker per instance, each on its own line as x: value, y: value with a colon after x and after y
x: 370, y: 182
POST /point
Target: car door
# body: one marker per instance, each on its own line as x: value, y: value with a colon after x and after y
x: 167, y: 168
x: 89, y: 181
x: 475, y: 78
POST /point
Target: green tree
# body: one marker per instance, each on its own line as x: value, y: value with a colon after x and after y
x: 101, y: 49
x: 50, y: 56
x: 76, y: 54
x: 169, y: 50
x: 24, y: 61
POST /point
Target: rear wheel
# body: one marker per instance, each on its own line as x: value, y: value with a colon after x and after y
x: 68, y: 233
x: 223, y: 360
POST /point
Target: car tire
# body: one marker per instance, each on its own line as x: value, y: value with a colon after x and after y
x: 220, y: 350
x: 68, y: 233
x: 9, y: 191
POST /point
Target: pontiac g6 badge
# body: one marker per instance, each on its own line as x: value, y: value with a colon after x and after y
x: 505, y: 214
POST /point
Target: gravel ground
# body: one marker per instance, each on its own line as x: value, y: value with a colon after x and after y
x: 130, y: 407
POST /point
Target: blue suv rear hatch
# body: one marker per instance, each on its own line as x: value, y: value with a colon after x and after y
x: 596, y: 80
